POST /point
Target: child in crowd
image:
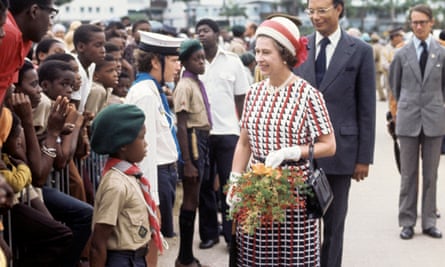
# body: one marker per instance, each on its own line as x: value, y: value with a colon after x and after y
x: 114, y: 47
x: 89, y: 42
x: 105, y: 77
x: 48, y: 47
x: 124, y: 219
x: 116, y: 53
x: 70, y: 59
x: 194, y: 123
x: 57, y: 79
x: 39, y: 239
x: 120, y: 90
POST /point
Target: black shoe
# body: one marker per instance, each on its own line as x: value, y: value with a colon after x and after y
x: 407, y: 232
x: 433, y: 232
x: 209, y: 243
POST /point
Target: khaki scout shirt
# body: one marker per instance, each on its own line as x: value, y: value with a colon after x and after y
x: 187, y: 97
x: 120, y: 203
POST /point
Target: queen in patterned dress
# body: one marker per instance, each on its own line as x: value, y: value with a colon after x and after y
x: 282, y: 115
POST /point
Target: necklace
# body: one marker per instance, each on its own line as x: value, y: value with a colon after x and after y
x: 273, y: 89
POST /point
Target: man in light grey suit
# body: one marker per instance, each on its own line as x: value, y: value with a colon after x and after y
x: 417, y: 78
x: 346, y: 77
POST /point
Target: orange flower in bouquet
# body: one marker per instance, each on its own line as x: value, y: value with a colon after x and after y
x: 265, y: 195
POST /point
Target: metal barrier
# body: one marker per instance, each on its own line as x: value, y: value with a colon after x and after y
x: 91, y: 166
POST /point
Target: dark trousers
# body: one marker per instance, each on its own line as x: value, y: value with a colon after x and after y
x: 77, y: 215
x: 167, y: 178
x: 334, y: 221
x: 39, y: 239
x: 191, y: 188
x: 126, y: 258
x: 222, y: 148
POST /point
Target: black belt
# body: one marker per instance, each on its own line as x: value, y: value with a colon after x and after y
x: 140, y: 252
x: 167, y: 166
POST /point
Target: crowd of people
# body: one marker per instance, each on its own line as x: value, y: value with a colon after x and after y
x: 162, y: 109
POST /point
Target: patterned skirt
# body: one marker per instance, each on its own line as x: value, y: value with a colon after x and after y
x: 295, y: 242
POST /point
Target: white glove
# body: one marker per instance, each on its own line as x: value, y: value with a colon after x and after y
x: 275, y: 158
x: 232, y: 198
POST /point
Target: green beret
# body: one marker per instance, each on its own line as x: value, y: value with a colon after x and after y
x: 188, y: 47
x: 115, y: 126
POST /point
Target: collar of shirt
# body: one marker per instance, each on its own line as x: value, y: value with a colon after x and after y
x: 334, y: 38
x: 418, y: 47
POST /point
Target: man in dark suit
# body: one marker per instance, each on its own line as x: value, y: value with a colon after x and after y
x: 417, y: 78
x: 342, y: 68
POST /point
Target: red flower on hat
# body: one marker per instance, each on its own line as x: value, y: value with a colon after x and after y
x: 301, y: 50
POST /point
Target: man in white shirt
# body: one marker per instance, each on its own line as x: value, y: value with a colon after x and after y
x: 226, y: 84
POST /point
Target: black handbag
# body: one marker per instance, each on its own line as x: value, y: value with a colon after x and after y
x: 319, y: 195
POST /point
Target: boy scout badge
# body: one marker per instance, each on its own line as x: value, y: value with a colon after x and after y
x: 142, y: 231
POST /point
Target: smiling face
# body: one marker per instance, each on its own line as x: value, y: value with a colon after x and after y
x: 268, y: 57
x: 325, y: 15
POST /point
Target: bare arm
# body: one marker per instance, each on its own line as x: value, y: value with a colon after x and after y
x: 190, y: 170
x: 98, y: 252
x: 242, y: 153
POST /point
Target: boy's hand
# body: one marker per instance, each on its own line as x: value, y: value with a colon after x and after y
x: 57, y: 115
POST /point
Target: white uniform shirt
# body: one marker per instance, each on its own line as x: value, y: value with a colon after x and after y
x: 224, y: 78
x: 161, y: 147
x: 85, y: 85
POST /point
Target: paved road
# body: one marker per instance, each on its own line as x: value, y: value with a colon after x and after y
x: 372, y: 232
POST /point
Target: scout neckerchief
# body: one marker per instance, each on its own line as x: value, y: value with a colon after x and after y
x: 143, y: 76
x: 133, y: 170
x: 193, y: 76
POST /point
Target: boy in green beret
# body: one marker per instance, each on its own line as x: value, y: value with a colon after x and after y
x: 124, y: 219
x: 194, y: 123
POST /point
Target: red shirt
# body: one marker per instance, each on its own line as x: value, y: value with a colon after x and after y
x: 13, y: 51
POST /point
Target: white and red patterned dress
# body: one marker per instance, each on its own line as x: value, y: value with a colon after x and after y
x: 291, y: 116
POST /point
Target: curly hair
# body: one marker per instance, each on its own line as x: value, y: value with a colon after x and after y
x: 143, y: 60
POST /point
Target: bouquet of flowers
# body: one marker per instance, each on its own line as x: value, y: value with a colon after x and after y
x: 265, y: 194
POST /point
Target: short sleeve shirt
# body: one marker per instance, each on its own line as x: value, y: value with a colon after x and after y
x: 120, y: 203
x: 187, y: 97
x: 13, y: 51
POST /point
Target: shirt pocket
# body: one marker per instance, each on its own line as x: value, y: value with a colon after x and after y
x: 140, y: 229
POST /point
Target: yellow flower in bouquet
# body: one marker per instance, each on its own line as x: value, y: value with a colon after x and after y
x: 265, y: 195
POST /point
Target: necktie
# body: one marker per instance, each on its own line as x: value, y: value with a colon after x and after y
x: 133, y: 170
x: 320, y: 63
x: 423, y: 57
x: 203, y: 93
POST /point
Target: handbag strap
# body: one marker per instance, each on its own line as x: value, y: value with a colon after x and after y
x: 311, y: 157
